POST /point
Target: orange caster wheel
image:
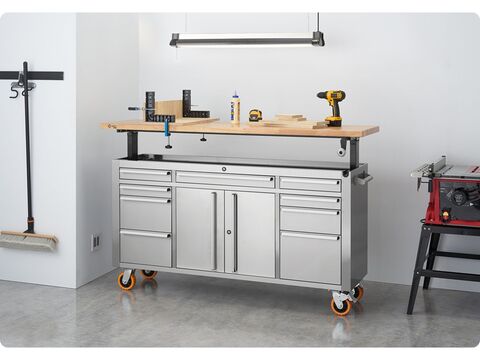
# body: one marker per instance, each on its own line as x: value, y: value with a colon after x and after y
x: 358, y: 292
x: 130, y: 283
x: 347, y: 306
x: 149, y: 274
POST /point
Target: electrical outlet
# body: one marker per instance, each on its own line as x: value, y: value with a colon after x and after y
x: 94, y: 242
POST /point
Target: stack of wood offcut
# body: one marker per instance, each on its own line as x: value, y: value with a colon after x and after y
x: 290, y: 121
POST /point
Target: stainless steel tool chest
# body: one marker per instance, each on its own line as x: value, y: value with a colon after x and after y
x: 277, y: 224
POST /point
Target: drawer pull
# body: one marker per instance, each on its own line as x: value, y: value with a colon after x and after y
x: 145, y: 172
x: 305, y: 211
x: 310, y: 236
x: 312, y: 181
x: 229, y: 177
x: 145, y: 233
x: 305, y: 198
x: 141, y: 199
x: 144, y: 188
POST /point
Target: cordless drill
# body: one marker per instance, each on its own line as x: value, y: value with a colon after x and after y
x: 333, y: 97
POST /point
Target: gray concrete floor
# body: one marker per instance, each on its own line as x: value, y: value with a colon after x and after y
x: 180, y: 310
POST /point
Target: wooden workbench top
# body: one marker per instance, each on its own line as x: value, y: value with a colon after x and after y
x: 224, y: 127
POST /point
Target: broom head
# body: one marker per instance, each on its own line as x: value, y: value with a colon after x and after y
x: 27, y: 241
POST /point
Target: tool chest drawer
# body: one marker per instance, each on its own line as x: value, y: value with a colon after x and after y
x: 147, y: 248
x: 146, y: 190
x: 310, y: 184
x: 318, y: 202
x: 145, y: 213
x: 145, y: 174
x: 310, y: 257
x: 226, y: 179
x: 310, y: 220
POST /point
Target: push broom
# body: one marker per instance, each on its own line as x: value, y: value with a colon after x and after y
x: 27, y: 240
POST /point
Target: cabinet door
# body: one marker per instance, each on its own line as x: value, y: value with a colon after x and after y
x: 250, y: 233
x: 200, y: 229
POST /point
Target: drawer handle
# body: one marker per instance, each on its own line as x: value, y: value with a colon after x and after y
x: 313, y: 181
x: 309, y: 236
x: 144, y: 188
x: 144, y: 233
x: 324, y: 212
x: 304, y: 198
x: 140, y: 199
x: 145, y: 172
x: 228, y: 177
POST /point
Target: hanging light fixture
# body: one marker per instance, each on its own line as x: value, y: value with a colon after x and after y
x: 250, y: 39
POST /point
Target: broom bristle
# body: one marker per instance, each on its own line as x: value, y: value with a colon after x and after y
x: 26, y: 241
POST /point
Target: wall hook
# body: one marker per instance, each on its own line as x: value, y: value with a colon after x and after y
x: 12, y: 89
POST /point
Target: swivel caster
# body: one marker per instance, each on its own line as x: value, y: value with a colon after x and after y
x: 148, y: 274
x: 126, y: 280
x: 341, y: 303
x: 344, y: 310
x: 357, y: 293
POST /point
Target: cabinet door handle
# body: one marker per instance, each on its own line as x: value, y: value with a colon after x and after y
x: 305, y: 211
x: 235, y: 232
x: 214, y: 231
x: 141, y: 199
x: 145, y: 172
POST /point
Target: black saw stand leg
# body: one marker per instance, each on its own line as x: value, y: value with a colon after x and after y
x: 431, y: 257
x: 421, y: 256
x: 132, y: 145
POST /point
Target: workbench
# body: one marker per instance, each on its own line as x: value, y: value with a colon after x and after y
x: 301, y: 223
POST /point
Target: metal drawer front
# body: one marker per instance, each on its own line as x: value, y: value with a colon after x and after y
x: 226, y: 179
x: 142, y: 213
x: 145, y: 174
x: 146, y: 248
x: 310, y: 184
x: 145, y: 190
x: 319, y: 202
x: 310, y: 220
x: 310, y: 257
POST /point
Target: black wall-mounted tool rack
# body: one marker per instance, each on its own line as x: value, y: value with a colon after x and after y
x: 32, y: 75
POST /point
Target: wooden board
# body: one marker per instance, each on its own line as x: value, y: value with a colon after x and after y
x: 290, y: 124
x: 169, y: 107
x: 224, y: 127
x: 136, y: 125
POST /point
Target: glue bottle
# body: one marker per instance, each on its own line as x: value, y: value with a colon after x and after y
x: 235, y: 109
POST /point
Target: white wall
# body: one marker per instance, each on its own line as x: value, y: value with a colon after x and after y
x: 415, y: 75
x: 47, y: 42
x: 107, y: 82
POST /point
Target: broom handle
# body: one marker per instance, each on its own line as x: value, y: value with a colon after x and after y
x: 30, y: 220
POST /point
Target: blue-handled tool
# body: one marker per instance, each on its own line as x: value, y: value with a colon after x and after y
x: 166, y: 128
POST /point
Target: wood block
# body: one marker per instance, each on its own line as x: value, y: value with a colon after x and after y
x: 169, y: 107
x: 290, y: 116
x: 290, y: 119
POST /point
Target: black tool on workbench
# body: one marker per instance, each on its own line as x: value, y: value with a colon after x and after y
x: 333, y: 97
x: 149, y: 106
x: 187, y: 107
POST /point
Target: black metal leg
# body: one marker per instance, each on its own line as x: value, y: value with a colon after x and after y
x: 421, y: 254
x: 431, y: 257
x: 132, y: 145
